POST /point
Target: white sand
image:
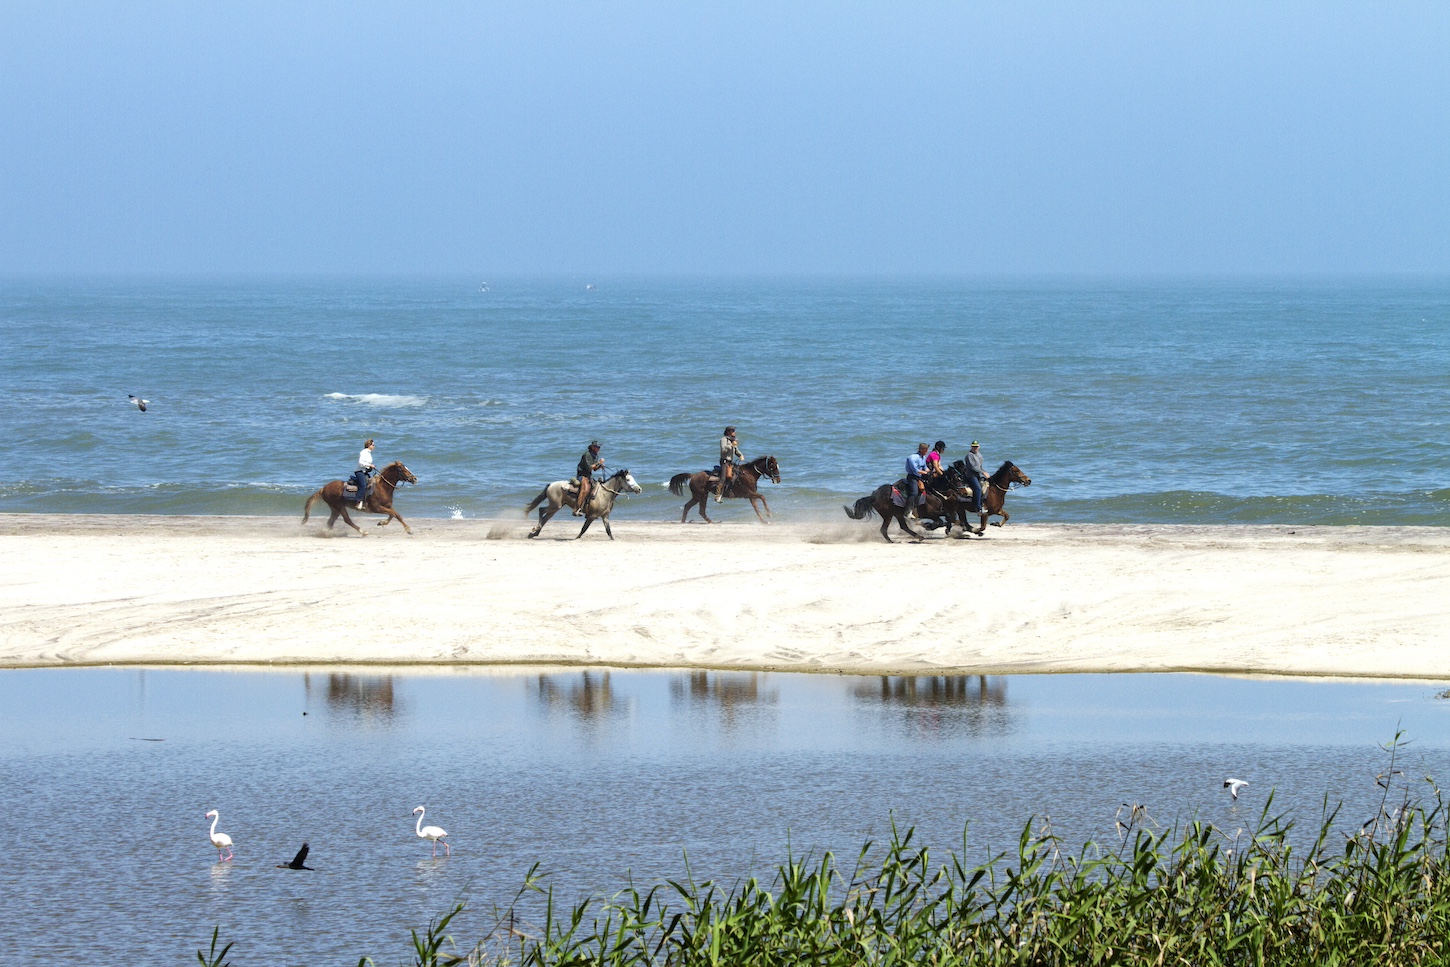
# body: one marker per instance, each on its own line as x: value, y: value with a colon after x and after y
x: 167, y: 590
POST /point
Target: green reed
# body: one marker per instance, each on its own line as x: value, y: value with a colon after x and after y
x: 1189, y: 895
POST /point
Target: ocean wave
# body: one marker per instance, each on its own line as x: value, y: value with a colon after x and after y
x: 380, y: 399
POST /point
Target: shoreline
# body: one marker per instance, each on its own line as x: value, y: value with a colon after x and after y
x: 829, y: 597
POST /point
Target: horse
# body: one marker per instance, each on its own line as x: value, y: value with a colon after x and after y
x: 932, y: 506
x: 380, y: 498
x: 597, y: 507
x: 742, y: 484
x: 996, y: 494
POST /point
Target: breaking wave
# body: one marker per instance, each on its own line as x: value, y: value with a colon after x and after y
x: 380, y: 399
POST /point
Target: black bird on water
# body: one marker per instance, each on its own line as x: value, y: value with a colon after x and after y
x: 297, y: 861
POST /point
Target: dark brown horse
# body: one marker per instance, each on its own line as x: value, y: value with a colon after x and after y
x: 380, y: 498
x: 742, y: 484
x: 994, y: 495
x: 932, y: 507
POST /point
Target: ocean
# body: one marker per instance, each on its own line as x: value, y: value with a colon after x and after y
x: 1274, y: 402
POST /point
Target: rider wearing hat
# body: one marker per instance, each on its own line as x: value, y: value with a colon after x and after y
x: 729, y: 455
x: 588, y: 463
x: 975, y: 476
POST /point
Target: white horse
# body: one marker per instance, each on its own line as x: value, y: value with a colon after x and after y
x: 561, y: 493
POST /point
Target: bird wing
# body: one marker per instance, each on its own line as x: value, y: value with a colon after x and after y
x: 300, y: 858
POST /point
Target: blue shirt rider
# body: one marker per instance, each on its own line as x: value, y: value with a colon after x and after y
x: 915, y: 470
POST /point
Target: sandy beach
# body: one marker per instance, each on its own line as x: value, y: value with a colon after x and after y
x: 1373, y: 602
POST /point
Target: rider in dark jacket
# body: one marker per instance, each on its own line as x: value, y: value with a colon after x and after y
x: 588, y: 463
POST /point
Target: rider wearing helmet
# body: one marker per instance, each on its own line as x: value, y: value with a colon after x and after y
x: 588, y: 463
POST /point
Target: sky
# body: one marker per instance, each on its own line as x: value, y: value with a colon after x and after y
x: 740, y: 137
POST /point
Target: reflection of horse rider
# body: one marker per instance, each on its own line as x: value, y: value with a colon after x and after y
x: 915, y: 471
x: 975, y: 476
x: 364, y: 470
x: 730, y: 455
x: 588, y: 463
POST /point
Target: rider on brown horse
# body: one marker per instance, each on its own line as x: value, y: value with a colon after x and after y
x: 975, y: 476
x: 730, y: 455
x: 364, y: 470
x: 588, y: 463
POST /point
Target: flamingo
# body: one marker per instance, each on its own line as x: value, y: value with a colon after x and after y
x: 220, y: 840
x: 433, y: 833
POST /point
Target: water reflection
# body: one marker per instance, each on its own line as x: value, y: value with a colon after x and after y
x: 589, y: 696
x: 943, y: 703
x: 370, y: 698
x: 730, y: 694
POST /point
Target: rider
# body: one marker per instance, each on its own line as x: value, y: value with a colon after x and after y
x: 364, y: 470
x: 915, y: 471
x: 975, y: 476
x: 935, y: 475
x: 730, y: 455
x: 588, y: 463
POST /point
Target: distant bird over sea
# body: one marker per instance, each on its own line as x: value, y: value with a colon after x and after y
x: 1235, y: 786
x: 297, y: 861
x: 138, y: 402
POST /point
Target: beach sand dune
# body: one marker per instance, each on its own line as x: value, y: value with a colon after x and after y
x: 1029, y: 598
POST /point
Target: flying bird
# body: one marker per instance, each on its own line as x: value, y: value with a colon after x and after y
x: 297, y: 861
x: 433, y: 833
x: 1234, y: 787
x: 220, y: 840
x: 138, y: 402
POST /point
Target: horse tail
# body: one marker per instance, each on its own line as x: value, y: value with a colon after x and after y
x: 543, y: 496
x: 678, y: 482
x: 864, y: 508
x: 307, y: 508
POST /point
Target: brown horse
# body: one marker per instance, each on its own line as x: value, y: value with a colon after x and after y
x: 380, y: 498
x: 932, y: 506
x: 742, y: 484
x: 995, y: 495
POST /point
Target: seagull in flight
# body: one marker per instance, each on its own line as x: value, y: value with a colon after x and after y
x: 138, y: 402
x: 1235, y: 786
x: 297, y: 861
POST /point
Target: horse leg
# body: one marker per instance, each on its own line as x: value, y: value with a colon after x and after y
x: 753, y: 498
x: 544, y: 515
x: 587, y: 521
x: 392, y: 514
x: 333, y: 519
x: 348, y: 520
x: 606, y: 528
x: 1002, y: 514
x: 702, y: 502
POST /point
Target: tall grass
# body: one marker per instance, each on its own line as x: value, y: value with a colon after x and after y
x: 1376, y: 895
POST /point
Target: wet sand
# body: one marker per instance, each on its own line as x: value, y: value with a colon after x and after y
x: 1344, y: 601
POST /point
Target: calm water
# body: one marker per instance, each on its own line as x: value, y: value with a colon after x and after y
x: 1284, y: 403
x: 104, y: 856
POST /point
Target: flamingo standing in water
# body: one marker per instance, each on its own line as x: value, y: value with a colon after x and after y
x: 433, y: 833
x: 220, y: 840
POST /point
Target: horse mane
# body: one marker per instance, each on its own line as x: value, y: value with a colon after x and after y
x: 1005, y: 465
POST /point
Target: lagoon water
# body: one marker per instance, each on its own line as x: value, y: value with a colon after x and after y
x: 105, y: 775
x: 1268, y: 402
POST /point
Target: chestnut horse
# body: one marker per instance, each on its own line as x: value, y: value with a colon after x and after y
x: 742, y: 484
x: 380, y: 498
x: 995, y: 493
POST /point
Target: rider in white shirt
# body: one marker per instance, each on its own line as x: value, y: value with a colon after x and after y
x: 363, y: 471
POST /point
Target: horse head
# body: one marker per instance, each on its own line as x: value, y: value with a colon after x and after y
x: 772, y: 469
x: 1014, y: 474
x: 401, y: 474
x: 627, y: 478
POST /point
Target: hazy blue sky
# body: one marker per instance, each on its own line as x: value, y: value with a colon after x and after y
x: 721, y: 137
